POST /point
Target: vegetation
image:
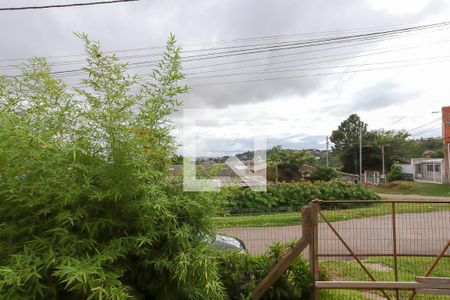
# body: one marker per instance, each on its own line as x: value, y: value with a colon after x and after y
x: 241, y: 272
x: 425, y: 147
x: 397, y: 145
x: 346, y: 139
x: 284, y: 163
x: 292, y: 216
x: 395, y: 172
x: 413, y: 188
x: 294, y: 194
x: 409, y: 268
x: 325, y: 174
x: 87, y: 210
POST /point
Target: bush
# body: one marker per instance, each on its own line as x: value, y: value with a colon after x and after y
x: 325, y: 174
x: 295, y: 194
x: 240, y: 274
x: 395, y: 172
x: 86, y: 207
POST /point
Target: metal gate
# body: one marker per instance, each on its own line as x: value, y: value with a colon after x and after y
x: 373, y: 250
x: 390, y: 253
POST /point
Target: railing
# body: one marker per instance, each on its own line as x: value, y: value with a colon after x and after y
x: 366, y: 252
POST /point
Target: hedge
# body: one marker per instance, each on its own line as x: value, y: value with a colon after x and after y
x: 294, y: 194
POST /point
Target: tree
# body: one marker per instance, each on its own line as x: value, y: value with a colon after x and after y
x: 395, y: 145
x: 346, y: 142
x: 286, y: 162
x: 419, y: 148
x: 324, y: 173
x: 86, y: 207
x: 394, y: 173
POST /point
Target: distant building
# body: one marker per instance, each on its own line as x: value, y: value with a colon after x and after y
x: 434, y: 170
x: 424, y: 170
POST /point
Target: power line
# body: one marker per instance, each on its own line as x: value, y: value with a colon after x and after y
x: 263, y: 48
x: 423, y: 125
x: 421, y: 133
x: 440, y: 58
x: 193, y: 86
x: 303, y: 76
x: 360, y: 54
x: 141, y: 64
x: 64, y: 5
x: 239, y: 40
x: 319, y: 42
x: 154, y: 62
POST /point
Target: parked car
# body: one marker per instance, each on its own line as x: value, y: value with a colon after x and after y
x: 221, y: 241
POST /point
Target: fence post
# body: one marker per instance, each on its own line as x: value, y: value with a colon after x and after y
x: 313, y: 248
x: 281, y: 267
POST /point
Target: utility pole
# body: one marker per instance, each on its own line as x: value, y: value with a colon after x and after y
x: 328, y: 163
x: 382, y: 159
x: 360, y: 155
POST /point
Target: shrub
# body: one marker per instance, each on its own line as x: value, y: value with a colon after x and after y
x: 86, y: 209
x: 295, y: 194
x: 240, y: 274
x: 324, y: 173
x: 395, y: 172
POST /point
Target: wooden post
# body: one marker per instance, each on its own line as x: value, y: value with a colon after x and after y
x: 286, y: 262
x: 394, y: 247
x: 313, y: 248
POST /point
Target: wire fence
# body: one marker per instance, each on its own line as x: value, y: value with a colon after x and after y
x: 398, y: 241
x: 259, y: 229
x: 359, y: 241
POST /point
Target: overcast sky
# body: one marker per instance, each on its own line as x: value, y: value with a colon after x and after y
x: 393, y: 83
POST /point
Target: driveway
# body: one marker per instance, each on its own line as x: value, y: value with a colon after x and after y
x: 417, y: 233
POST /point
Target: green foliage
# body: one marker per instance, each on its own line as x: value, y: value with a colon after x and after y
x: 414, y: 188
x: 394, y: 173
x: 241, y: 273
x: 294, y: 194
x: 347, y: 133
x: 284, y: 163
x: 346, y: 139
x: 419, y: 147
x: 86, y: 207
x: 396, y: 146
x: 325, y: 174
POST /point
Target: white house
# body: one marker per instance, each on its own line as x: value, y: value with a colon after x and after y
x: 424, y: 170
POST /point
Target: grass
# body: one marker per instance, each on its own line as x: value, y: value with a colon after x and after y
x: 414, y: 188
x: 294, y: 217
x: 408, y: 267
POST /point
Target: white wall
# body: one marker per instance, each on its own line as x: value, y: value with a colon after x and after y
x: 407, y: 168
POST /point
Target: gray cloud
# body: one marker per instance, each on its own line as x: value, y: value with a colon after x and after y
x: 218, y: 146
x: 148, y: 23
x: 380, y: 95
x: 49, y: 32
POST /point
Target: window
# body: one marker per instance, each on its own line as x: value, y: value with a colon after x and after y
x: 434, y: 167
x: 417, y: 168
x: 437, y: 167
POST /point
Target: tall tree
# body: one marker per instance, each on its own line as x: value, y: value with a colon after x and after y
x: 346, y: 142
x: 395, y: 145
